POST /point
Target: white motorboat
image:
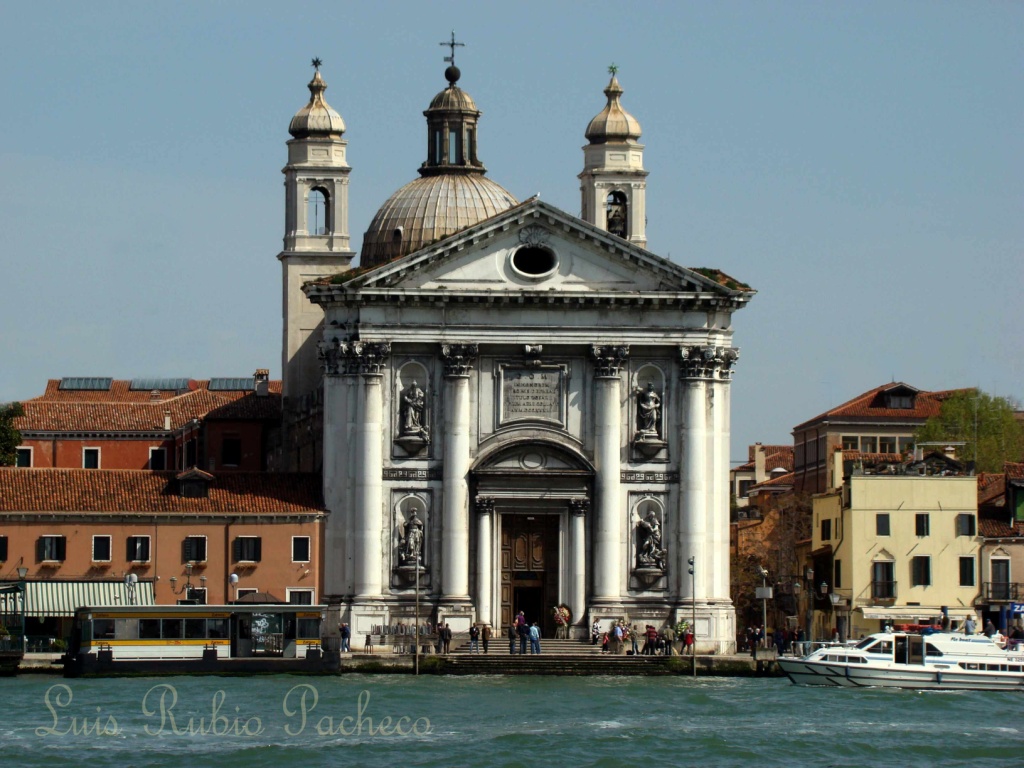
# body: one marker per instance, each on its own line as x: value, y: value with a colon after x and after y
x: 939, y: 661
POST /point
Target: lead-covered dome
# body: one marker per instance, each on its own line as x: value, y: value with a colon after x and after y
x: 613, y: 123
x: 316, y: 118
x: 429, y: 208
x: 451, y: 194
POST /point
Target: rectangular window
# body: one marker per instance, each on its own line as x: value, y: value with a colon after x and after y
x: 193, y: 549
x: 883, y: 580
x: 300, y: 596
x: 868, y: 445
x: 24, y: 457
x: 90, y: 458
x: 231, y: 452
x: 887, y: 444
x: 851, y: 443
x: 922, y: 525
x: 3, y: 549
x: 247, y: 549
x: 744, y: 487
x: 826, y: 530
x: 966, y: 525
x: 51, y: 549
x: 158, y: 459
x: 196, y: 595
x: 243, y: 591
x: 101, y: 549
x: 906, y: 444
x: 882, y: 524
x: 137, y: 550
x: 966, y: 571
x: 300, y: 549
x: 921, y: 571
x: 838, y: 569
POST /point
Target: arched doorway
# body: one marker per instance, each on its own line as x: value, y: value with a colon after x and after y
x: 538, y: 544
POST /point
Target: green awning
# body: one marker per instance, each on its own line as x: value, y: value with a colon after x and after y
x: 61, y: 598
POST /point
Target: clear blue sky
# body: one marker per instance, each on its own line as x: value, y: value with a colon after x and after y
x: 860, y: 164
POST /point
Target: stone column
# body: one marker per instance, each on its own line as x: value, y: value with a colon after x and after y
x: 369, y: 358
x: 484, y: 559
x: 458, y: 362
x: 578, y: 509
x: 696, y: 364
x: 718, y: 511
x: 608, y: 521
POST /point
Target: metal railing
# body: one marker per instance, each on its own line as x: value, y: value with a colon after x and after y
x: 1003, y: 590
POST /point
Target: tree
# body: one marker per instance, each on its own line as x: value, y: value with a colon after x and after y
x: 986, y: 424
x: 10, y: 438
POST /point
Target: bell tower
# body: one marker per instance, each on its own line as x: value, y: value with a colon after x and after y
x: 316, y: 236
x: 613, y: 183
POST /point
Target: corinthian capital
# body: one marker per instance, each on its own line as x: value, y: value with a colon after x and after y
x: 368, y: 357
x: 608, y: 361
x: 703, y: 361
x: 331, y: 353
x: 459, y: 359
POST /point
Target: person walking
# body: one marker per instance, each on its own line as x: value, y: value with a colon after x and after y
x: 535, y: 639
x: 447, y: 638
x: 346, y: 638
x: 670, y: 638
x: 474, y: 639
x: 485, y: 635
x: 634, y: 636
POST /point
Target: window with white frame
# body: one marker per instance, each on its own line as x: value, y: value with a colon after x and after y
x: 23, y: 457
x: 300, y: 549
x: 243, y: 591
x: 300, y: 596
x: 158, y: 459
x: 101, y: 546
x: 247, y: 549
x: 137, y: 549
x: 51, y: 549
x: 193, y: 549
x: 966, y: 571
x: 90, y: 458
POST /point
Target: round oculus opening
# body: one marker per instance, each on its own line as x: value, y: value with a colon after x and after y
x: 533, y: 261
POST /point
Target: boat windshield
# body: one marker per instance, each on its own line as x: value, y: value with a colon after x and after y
x: 866, y: 643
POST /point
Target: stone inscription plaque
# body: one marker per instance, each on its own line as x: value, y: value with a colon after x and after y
x: 532, y: 394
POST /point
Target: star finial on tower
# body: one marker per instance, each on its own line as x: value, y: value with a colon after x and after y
x: 453, y: 45
x: 613, y: 69
x: 316, y: 63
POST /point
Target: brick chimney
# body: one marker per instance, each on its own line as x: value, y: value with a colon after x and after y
x: 261, y: 380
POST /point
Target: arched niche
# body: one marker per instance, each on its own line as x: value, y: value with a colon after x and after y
x: 648, y: 529
x: 412, y: 408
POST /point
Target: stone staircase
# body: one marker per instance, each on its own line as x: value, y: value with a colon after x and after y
x: 557, y: 657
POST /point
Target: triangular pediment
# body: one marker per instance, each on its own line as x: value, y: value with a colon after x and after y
x: 533, y: 248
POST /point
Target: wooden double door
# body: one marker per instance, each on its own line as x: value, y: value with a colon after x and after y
x: 529, y: 569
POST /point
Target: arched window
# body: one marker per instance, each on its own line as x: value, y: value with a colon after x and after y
x: 318, y: 212
x: 617, y: 214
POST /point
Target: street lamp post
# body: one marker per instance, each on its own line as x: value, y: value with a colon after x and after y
x: 233, y: 581
x: 22, y: 576
x: 416, y: 652
x: 764, y: 594
x: 186, y: 588
x: 693, y: 615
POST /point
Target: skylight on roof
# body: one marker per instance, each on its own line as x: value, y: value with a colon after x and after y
x: 91, y: 383
x: 228, y: 384
x: 164, y: 385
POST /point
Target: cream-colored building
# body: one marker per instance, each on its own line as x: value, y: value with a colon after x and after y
x: 521, y: 408
x: 894, y: 545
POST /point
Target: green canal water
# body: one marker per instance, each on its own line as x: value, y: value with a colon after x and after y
x: 397, y: 720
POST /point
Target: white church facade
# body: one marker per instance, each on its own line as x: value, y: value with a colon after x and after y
x: 521, y: 409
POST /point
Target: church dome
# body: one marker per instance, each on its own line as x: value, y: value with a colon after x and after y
x: 451, y: 194
x: 316, y: 118
x: 613, y: 123
x: 429, y: 208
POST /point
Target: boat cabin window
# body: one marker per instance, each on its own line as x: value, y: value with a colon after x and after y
x: 931, y: 650
x: 195, y: 629
x: 103, y: 629
x: 170, y: 628
x: 866, y: 644
x: 885, y: 647
x: 149, y: 629
x: 217, y: 627
x: 309, y: 629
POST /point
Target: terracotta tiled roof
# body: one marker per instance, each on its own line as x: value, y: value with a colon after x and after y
x: 1014, y: 470
x: 992, y: 528
x: 870, y: 406
x: 873, y: 458
x: 100, y: 490
x: 991, y: 487
x: 782, y: 481
x: 775, y: 456
x: 121, y: 409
